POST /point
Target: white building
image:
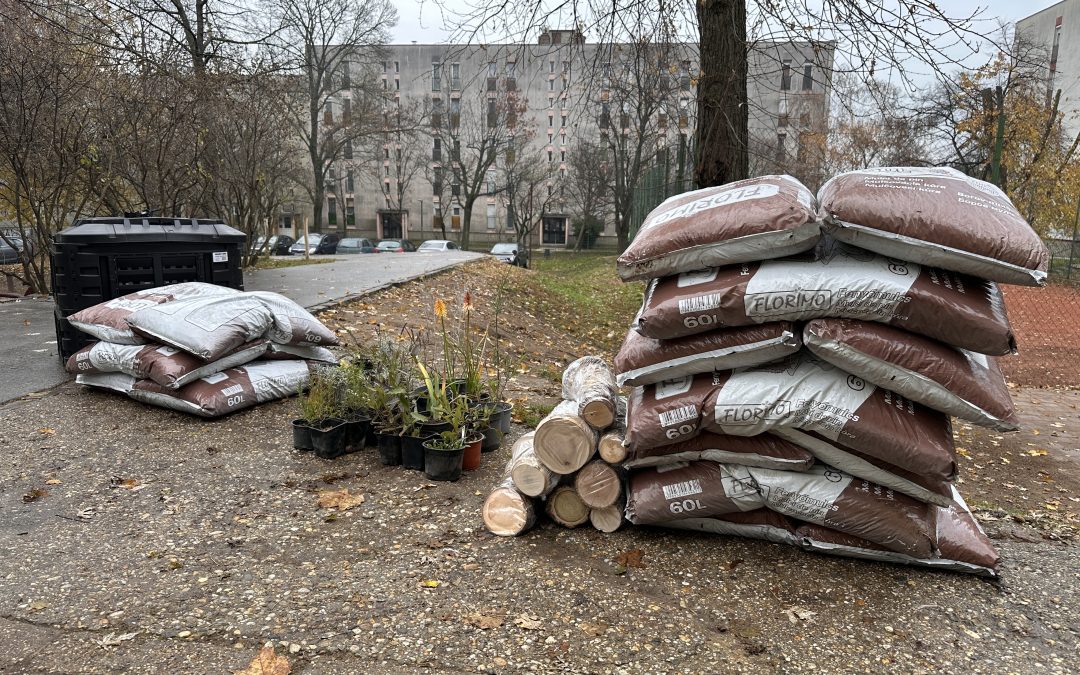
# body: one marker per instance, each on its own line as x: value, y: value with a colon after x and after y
x: 1057, y: 29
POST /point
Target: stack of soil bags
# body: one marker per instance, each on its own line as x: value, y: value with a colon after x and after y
x: 833, y: 370
x: 199, y: 348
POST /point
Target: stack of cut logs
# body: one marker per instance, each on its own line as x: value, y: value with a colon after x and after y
x: 557, y: 465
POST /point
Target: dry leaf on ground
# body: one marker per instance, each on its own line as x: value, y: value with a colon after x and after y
x: 594, y: 629
x: 631, y: 558
x: 796, y: 614
x: 528, y: 622
x: 34, y: 495
x: 266, y: 662
x: 483, y: 621
x: 339, y: 499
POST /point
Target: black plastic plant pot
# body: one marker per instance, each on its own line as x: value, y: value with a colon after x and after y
x: 301, y: 435
x: 356, y: 436
x: 389, y: 449
x: 500, y: 416
x: 428, y: 429
x: 412, y: 452
x: 442, y: 464
x: 371, y: 440
x: 493, y: 438
x: 328, y: 438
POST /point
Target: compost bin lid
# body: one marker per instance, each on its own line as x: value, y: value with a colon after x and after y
x: 111, y: 230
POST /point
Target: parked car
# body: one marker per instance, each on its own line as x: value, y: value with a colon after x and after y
x: 433, y: 245
x: 350, y: 245
x: 324, y: 244
x: 278, y: 245
x: 9, y: 253
x: 508, y: 253
x: 396, y: 246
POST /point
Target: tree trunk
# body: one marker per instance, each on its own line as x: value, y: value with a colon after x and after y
x: 590, y: 383
x: 609, y: 518
x: 531, y: 477
x: 563, y: 441
x: 566, y: 508
x: 599, y: 484
x: 466, y: 225
x: 506, y: 512
x: 722, y: 124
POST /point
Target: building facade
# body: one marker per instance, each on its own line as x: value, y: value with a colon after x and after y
x: 1057, y: 29
x: 500, y: 123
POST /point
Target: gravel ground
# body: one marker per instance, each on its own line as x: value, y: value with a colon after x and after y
x: 170, y: 544
x: 140, y: 540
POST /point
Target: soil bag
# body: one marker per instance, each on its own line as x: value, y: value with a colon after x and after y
x: 693, y: 490
x: 208, y: 327
x: 935, y: 216
x: 800, y: 392
x: 283, y: 351
x: 765, y: 450
x: 107, y: 321
x: 165, y: 365
x: 956, y: 382
x: 760, y: 524
x: 838, y: 282
x: 228, y: 391
x: 643, y: 360
x: 825, y: 496
x: 293, y: 324
x: 753, y: 219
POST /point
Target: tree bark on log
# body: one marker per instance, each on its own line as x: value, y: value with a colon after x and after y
x: 507, y: 512
x: 530, y: 476
x: 609, y: 518
x: 591, y: 383
x: 599, y: 484
x: 565, y: 507
x: 564, y: 441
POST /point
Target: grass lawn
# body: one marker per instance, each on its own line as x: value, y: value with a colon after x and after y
x: 267, y: 263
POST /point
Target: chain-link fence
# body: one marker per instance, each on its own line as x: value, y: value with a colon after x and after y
x: 1047, y: 333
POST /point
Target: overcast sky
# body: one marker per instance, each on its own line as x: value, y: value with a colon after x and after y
x: 421, y: 21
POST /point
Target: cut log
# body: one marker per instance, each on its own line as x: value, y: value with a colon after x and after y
x: 566, y: 508
x: 531, y: 477
x: 599, y: 484
x: 507, y: 512
x: 564, y: 441
x: 590, y: 383
x: 609, y: 518
x: 611, y: 446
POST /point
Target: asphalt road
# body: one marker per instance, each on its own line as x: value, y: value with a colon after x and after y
x: 28, y: 359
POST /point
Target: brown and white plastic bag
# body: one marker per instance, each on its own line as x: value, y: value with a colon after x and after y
x: 207, y: 327
x: 691, y: 490
x: 165, y: 365
x: 764, y: 450
x: 753, y: 219
x: 228, y: 391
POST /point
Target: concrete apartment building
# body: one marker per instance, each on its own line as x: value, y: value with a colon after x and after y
x: 1057, y: 29
x: 548, y: 95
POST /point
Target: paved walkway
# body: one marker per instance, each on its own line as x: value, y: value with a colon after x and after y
x: 28, y: 359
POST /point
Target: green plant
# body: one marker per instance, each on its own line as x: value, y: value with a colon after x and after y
x: 321, y: 401
x: 390, y: 379
x: 532, y: 414
x: 447, y: 440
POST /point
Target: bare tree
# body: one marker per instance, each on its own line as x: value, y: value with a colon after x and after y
x: 332, y: 48
x: 871, y: 37
x: 46, y: 128
x: 474, y: 139
x: 531, y: 189
x: 588, y: 185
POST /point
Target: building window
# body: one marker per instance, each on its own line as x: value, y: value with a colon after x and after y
x: 455, y: 112
x: 455, y: 76
x: 551, y: 66
x: 328, y: 113
x: 455, y: 189
x: 350, y: 211
x: 563, y: 123
x: 562, y: 155
x: 386, y: 187
x: 492, y: 115
x: 346, y: 79
x: 346, y: 110
x: 491, y: 216
x: 456, y: 156
x: 605, y: 115
x: 511, y: 76
x: 808, y: 77
x: 348, y: 149
x: 436, y: 112
x: 492, y: 73
x: 386, y: 169
x: 436, y: 77
x: 785, y: 76
x: 331, y: 211
x: 684, y: 76
x: 551, y: 137
x: 510, y: 216
x: 551, y: 85
x: 566, y: 66
x: 397, y: 84
x: 436, y: 181
x: 436, y: 150
x: 551, y: 120
x: 782, y: 113
x: 781, y: 150
x: 350, y: 186
x: 551, y: 157
x: 397, y: 68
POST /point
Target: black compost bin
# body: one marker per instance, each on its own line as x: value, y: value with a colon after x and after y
x: 99, y: 259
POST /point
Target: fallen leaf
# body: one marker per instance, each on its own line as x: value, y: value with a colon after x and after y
x: 963, y: 452
x: 34, y: 495
x: 53, y: 481
x: 112, y: 640
x: 796, y: 614
x: 630, y: 558
x: 594, y: 629
x: 1038, y: 452
x: 338, y: 499
x: 38, y: 605
x: 527, y: 622
x: 266, y: 662
x: 47, y: 431
x: 483, y: 621
x: 430, y: 583
x: 972, y: 634
x: 85, y: 514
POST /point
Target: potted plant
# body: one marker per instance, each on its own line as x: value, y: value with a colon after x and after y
x: 443, y: 456
x: 321, y: 412
x: 391, y: 380
x: 356, y: 402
